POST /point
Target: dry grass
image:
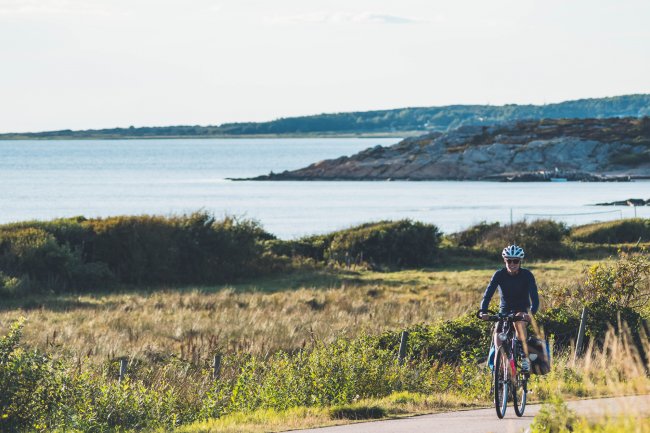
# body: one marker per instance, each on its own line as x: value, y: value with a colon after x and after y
x: 284, y: 312
x: 614, y: 368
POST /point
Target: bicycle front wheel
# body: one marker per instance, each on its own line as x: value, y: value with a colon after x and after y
x: 501, y: 381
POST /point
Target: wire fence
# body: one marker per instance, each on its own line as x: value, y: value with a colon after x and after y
x: 620, y: 214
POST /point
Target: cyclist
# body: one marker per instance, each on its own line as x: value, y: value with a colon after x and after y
x: 518, y: 292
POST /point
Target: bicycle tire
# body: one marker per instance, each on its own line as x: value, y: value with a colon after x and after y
x: 519, y: 393
x: 501, y: 382
x: 519, y: 382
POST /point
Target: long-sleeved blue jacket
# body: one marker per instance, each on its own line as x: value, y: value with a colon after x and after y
x: 518, y: 292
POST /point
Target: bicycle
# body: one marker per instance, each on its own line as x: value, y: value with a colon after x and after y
x: 507, y: 377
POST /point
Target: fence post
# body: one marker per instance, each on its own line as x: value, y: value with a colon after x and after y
x: 123, y: 364
x: 216, y: 366
x: 402, y: 347
x: 581, y: 332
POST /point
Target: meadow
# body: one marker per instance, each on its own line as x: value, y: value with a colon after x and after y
x: 311, y: 340
x: 284, y: 312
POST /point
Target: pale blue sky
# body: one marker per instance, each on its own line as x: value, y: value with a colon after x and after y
x: 98, y: 64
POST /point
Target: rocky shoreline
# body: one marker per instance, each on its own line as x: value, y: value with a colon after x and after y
x: 587, y: 150
x: 628, y: 202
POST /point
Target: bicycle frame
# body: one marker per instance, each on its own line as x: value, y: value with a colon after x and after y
x: 507, y: 380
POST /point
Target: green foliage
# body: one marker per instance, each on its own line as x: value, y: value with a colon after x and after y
x: 41, y: 394
x: 560, y: 322
x: 403, y: 119
x: 563, y: 323
x: 447, y: 342
x: 541, y: 239
x: 89, y: 254
x: 475, y: 234
x: 401, y: 243
x: 32, y: 390
x: 623, y: 283
x: 311, y: 247
x: 554, y: 417
x: 612, y: 232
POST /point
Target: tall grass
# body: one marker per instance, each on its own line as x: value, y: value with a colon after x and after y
x: 614, y: 366
x: 285, y: 312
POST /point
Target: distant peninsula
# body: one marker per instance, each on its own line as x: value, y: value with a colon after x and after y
x: 616, y: 149
x: 397, y: 122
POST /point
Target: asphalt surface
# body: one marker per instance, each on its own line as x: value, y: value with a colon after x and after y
x: 486, y: 421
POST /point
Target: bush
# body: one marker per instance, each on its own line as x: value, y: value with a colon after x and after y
x: 387, y: 243
x: 36, y: 253
x: 624, y: 283
x: 32, y: 387
x: 87, y: 254
x: 447, y: 342
x: 475, y: 234
x: 542, y: 239
x: 613, y: 232
x: 42, y: 394
x: 554, y: 417
x: 311, y: 247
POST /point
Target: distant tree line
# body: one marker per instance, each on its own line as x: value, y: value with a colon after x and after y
x: 382, y: 121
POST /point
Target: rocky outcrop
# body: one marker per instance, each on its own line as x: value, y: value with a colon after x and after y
x: 588, y: 149
x: 628, y: 202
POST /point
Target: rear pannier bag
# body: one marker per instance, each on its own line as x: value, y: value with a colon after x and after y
x: 539, y: 355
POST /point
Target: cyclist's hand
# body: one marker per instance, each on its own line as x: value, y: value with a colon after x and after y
x: 483, y: 316
x: 524, y: 316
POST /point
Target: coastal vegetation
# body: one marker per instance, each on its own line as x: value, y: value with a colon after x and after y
x: 305, y: 334
x: 86, y: 255
x: 394, y: 121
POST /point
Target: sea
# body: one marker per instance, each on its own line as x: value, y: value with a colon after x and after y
x: 42, y: 180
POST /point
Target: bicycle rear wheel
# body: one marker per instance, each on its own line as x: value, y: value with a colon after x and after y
x: 519, y: 391
x: 501, y: 382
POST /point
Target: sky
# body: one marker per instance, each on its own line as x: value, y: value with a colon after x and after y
x: 89, y: 64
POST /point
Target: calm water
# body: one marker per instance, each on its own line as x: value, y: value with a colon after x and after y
x: 47, y: 179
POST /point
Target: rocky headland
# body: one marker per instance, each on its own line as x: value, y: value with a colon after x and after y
x: 628, y: 202
x: 612, y: 149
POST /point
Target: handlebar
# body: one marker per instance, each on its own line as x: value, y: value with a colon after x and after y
x: 492, y: 317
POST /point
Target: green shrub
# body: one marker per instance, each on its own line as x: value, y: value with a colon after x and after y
x: 554, y: 417
x: 447, y: 342
x: 32, y: 387
x: 613, y: 232
x: 624, y: 282
x: 89, y: 254
x: 312, y: 247
x: 387, y: 243
x: 475, y: 234
x: 189, y: 249
x: 542, y: 239
x: 42, y: 394
x: 36, y: 253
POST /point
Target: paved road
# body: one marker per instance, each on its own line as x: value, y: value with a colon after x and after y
x: 485, y: 420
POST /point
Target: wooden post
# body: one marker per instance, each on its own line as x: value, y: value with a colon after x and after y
x: 216, y: 366
x: 581, y: 332
x: 402, y: 347
x: 123, y: 364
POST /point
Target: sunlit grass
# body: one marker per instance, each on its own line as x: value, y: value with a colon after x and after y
x: 286, y: 312
x: 396, y: 405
